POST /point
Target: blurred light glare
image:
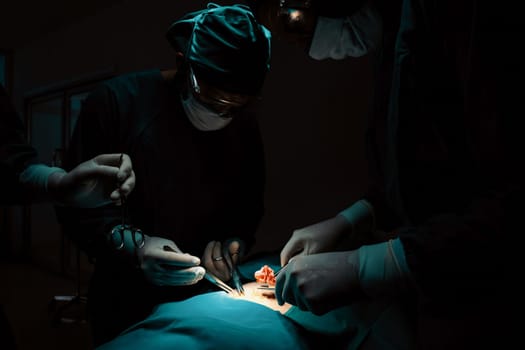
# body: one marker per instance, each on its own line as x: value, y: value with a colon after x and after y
x: 295, y: 15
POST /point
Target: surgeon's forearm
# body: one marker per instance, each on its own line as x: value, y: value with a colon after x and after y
x: 359, y: 223
x: 41, y: 181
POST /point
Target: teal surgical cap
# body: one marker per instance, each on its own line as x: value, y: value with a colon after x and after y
x: 225, y: 46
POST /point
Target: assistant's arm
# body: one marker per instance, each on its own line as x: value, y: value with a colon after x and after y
x: 97, y: 132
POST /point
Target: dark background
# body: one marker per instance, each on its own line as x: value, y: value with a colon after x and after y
x: 312, y: 115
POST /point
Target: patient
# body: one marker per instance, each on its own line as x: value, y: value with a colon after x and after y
x: 255, y: 321
x: 214, y: 320
x: 254, y: 294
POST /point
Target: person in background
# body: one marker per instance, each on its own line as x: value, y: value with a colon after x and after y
x: 446, y: 192
x: 103, y: 179
x: 98, y: 181
x: 197, y: 150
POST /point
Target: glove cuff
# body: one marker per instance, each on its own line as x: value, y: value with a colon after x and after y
x: 383, y: 269
x: 361, y: 216
x: 35, y: 178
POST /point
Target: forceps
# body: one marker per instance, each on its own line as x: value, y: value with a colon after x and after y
x: 216, y: 281
x: 209, y: 276
x: 235, y: 273
x: 267, y: 287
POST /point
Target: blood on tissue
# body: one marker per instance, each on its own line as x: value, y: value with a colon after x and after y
x: 265, y: 276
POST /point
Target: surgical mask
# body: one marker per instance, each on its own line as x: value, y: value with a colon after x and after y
x: 352, y: 36
x: 202, y: 117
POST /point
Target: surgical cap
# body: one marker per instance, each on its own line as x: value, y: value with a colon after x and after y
x: 225, y: 46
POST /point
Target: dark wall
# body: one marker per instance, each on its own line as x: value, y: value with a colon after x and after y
x: 312, y: 114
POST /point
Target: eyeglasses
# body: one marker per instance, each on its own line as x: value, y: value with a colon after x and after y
x: 224, y: 103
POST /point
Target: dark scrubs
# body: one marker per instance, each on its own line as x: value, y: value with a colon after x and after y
x: 15, y: 153
x: 451, y: 165
x: 192, y: 187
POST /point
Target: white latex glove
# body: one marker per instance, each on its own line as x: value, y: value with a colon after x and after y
x: 215, y: 257
x: 164, y: 264
x: 317, y: 238
x: 351, y: 224
x: 322, y: 282
x: 93, y: 183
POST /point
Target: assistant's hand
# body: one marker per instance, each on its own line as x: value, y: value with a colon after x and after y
x: 219, y: 256
x: 93, y: 183
x: 317, y: 238
x: 164, y: 264
x: 320, y: 282
x: 325, y: 281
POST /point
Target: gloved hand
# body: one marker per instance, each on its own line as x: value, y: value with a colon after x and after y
x: 164, y: 264
x: 93, y: 183
x: 317, y: 238
x: 326, y: 235
x: 322, y: 282
x: 218, y: 257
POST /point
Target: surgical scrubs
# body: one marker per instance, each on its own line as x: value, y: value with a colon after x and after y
x: 192, y: 187
x: 15, y: 153
x: 450, y: 165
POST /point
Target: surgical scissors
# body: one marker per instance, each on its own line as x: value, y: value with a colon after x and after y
x: 136, y: 234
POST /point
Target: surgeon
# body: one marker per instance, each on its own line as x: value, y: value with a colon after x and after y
x: 447, y: 176
x: 197, y: 150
